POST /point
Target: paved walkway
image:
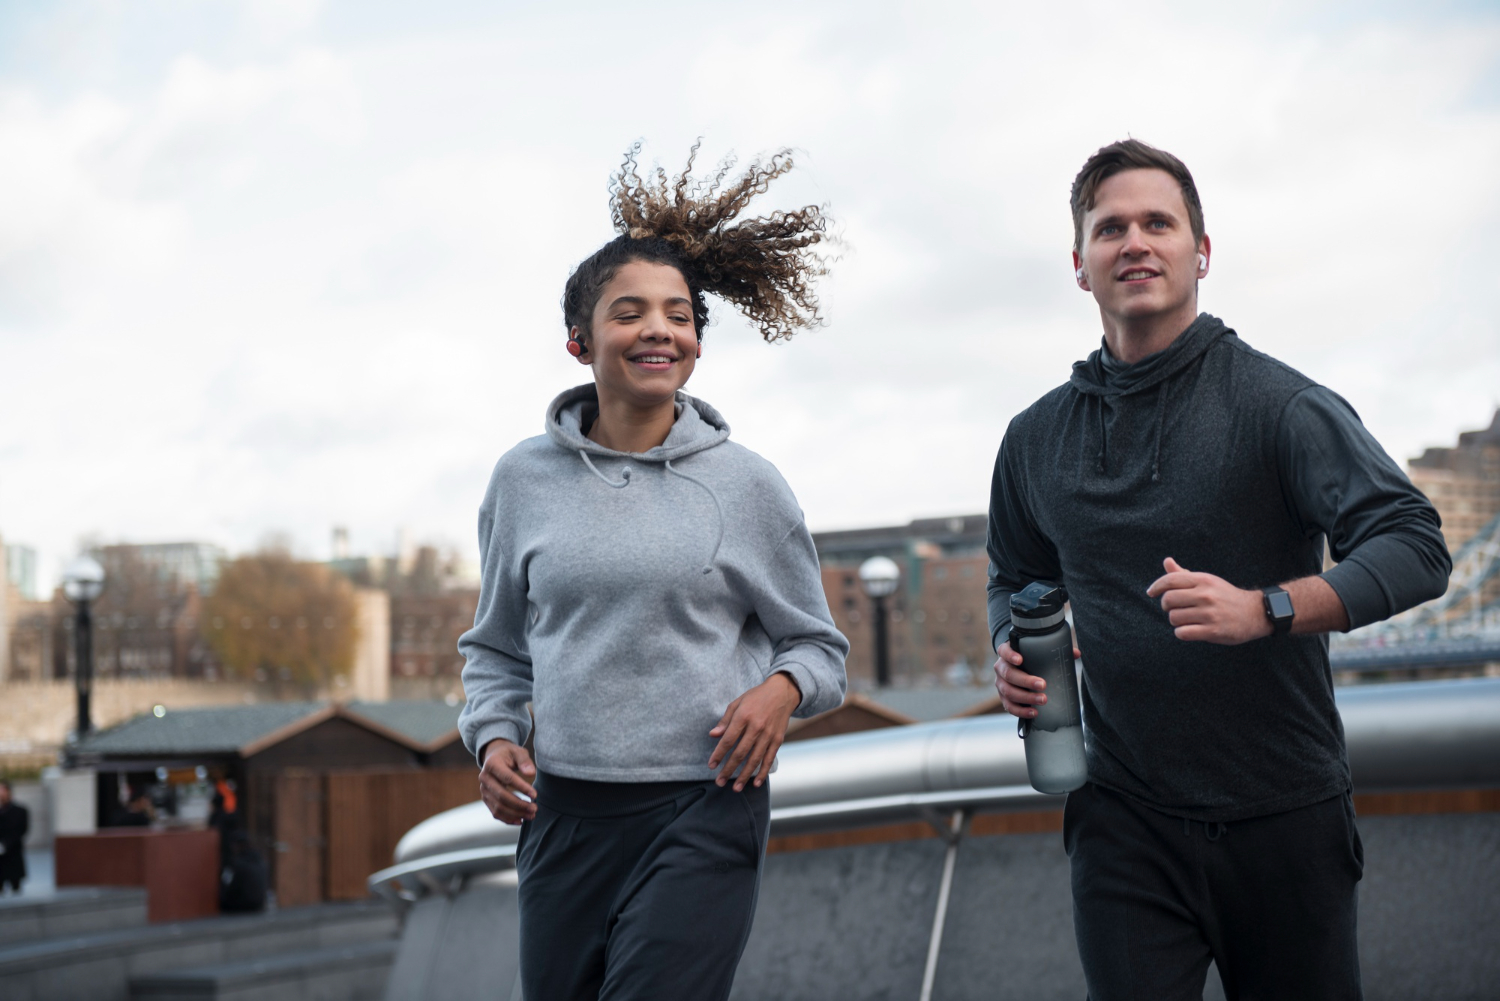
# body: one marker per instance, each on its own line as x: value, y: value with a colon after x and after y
x: 39, y: 879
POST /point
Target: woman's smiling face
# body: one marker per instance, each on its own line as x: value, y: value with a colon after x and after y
x: 643, y: 345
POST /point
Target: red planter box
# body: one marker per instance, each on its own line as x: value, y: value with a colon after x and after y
x: 179, y: 869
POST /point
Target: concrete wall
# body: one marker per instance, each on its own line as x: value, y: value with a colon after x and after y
x: 41, y: 713
x: 459, y: 948
x: 853, y: 923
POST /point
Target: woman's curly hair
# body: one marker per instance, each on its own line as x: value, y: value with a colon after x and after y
x: 764, y: 266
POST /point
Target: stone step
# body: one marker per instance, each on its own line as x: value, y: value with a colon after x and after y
x: 73, y: 910
x: 99, y: 967
x: 339, y: 973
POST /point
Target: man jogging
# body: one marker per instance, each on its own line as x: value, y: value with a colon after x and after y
x: 1181, y: 486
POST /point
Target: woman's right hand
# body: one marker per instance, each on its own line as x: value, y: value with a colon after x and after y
x: 507, y: 771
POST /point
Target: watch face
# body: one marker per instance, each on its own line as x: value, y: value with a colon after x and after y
x: 1281, y: 604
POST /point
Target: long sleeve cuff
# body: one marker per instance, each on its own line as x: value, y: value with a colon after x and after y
x: 1386, y: 575
x: 497, y: 730
x: 1365, y: 600
x: 814, y: 699
x: 999, y: 614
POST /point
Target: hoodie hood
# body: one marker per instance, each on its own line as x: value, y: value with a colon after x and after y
x: 698, y: 426
x: 1104, y: 390
x: 1091, y: 379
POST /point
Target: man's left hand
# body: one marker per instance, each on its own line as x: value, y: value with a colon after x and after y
x: 751, y: 731
x: 1202, y: 607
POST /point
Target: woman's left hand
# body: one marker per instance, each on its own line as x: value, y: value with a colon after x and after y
x: 751, y: 730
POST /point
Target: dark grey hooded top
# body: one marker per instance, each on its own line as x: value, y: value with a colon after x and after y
x: 1233, y: 464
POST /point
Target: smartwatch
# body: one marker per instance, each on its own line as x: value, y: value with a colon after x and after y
x: 1278, y: 609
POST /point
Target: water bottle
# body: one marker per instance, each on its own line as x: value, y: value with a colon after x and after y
x: 1039, y: 632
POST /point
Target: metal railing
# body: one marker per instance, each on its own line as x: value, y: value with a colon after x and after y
x: 1406, y: 736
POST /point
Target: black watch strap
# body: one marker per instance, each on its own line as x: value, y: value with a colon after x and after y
x: 1278, y: 609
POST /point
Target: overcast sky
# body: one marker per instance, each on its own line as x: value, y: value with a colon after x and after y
x: 280, y: 266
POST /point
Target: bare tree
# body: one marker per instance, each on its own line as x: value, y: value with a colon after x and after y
x: 274, y: 618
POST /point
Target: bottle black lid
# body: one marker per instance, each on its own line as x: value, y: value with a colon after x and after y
x: 1038, y: 600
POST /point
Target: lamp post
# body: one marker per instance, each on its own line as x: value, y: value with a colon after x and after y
x: 83, y: 582
x: 879, y: 577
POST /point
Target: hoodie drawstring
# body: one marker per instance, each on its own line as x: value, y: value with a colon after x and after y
x: 1103, y: 434
x: 624, y: 481
x: 718, y: 508
x: 1158, y: 426
x: 624, y: 474
x: 1161, y: 411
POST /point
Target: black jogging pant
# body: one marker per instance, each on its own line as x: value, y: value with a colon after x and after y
x: 1272, y: 900
x: 638, y: 890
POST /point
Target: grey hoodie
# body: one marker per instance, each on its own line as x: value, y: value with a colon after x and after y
x: 630, y: 597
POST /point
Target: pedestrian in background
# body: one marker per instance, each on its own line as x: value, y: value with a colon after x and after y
x: 15, y: 820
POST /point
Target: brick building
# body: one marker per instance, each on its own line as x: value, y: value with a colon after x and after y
x: 938, y: 621
x: 145, y: 622
x: 432, y: 602
x: 425, y: 627
x: 1463, y: 482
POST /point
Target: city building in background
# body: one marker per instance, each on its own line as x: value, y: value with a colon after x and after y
x: 17, y: 592
x: 20, y: 570
x: 425, y: 627
x: 938, y: 623
x: 176, y: 566
x: 432, y: 595
x: 417, y: 600
x: 146, y: 623
x: 1463, y: 482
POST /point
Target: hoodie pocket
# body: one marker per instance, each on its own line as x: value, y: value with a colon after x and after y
x: 1356, y: 846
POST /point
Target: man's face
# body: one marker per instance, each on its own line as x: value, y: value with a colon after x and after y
x: 1139, y: 258
x: 4, y: 795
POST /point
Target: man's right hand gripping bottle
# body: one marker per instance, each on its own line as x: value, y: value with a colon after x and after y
x: 1039, y: 632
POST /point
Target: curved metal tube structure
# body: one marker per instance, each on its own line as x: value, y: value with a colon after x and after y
x: 1416, y: 735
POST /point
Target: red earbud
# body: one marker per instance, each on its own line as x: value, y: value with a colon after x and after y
x: 575, y: 348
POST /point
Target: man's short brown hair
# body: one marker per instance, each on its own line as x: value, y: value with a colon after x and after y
x: 1131, y: 154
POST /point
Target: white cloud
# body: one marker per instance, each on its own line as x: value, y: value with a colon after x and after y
x: 301, y: 267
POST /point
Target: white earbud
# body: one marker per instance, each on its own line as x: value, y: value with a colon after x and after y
x: 1079, y: 274
x: 1202, y: 263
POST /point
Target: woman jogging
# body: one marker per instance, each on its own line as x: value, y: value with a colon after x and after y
x: 650, y: 588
